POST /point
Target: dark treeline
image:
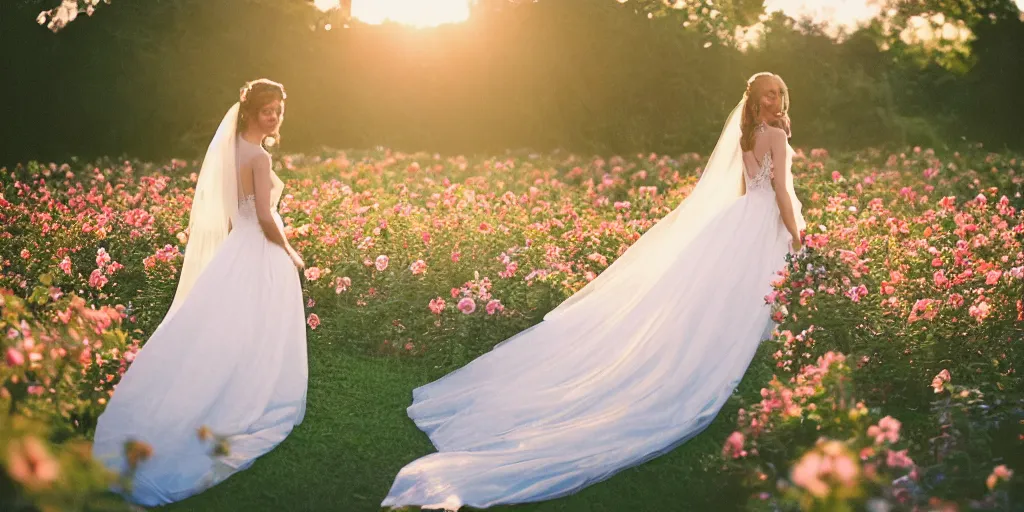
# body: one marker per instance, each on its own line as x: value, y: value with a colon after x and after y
x: 151, y: 80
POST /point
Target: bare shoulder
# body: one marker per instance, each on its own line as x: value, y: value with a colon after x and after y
x: 261, y: 161
x: 775, y: 134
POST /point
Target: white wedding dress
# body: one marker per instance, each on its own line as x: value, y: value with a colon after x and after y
x: 627, y: 373
x: 231, y: 358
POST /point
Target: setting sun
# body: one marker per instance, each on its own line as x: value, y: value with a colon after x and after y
x: 418, y: 13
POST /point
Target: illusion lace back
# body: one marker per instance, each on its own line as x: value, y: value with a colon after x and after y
x: 611, y: 382
x: 762, y: 181
x: 231, y: 359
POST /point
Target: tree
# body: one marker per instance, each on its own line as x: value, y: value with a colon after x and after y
x: 937, y: 31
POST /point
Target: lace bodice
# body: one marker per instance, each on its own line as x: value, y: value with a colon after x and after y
x: 765, y: 173
x: 247, y: 202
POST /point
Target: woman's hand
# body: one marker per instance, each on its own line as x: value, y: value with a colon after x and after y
x: 296, y: 259
x: 796, y: 244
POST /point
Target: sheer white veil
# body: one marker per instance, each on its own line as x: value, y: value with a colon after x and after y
x: 215, y: 201
x: 644, y: 263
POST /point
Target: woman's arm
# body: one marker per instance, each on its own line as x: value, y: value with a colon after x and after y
x: 779, y: 149
x: 262, y: 185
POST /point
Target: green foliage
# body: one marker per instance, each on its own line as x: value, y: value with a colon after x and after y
x: 586, y: 76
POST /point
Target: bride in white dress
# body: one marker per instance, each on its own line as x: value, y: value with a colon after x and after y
x: 639, y: 360
x: 230, y: 356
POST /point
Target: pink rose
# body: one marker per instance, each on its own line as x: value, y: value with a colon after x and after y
x: 102, y: 258
x: 65, y: 265
x: 734, y: 446
x: 993, y: 277
x: 494, y: 306
x: 1000, y: 472
x: 341, y: 284
x: 898, y: 459
x: 980, y: 311
x: 30, y: 463
x: 467, y: 305
x: 14, y: 357
x: 97, y: 279
x: 418, y: 267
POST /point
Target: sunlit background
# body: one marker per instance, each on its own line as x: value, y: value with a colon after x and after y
x: 428, y: 13
x: 411, y: 12
x: 417, y: 13
x: 582, y: 75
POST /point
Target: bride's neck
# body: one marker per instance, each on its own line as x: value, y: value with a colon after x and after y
x: 253, y: 137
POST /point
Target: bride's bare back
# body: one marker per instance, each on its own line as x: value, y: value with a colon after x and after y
x: 765, y: 142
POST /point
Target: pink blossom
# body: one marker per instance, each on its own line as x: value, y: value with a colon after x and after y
x: 97, y: 279
x: 466, y: 305
x: 510, y: 270
x: 807, y: 474
x: 102, y: 258
x: 313, y: 321
x: 65, y: 265
x: 30, y: 463
x: 381, y: 263
x: 14, y: 357
x: 829, y: 461
x: 312, y: 273
x: 887, y: 430
x: 494, y: 306
x: 898, y: 459
x: 437, y: 305
x: 25, y: 254
x: 993, y: 277
x: 341, y: 284
x: 857, y: 293
x: 418, y: 267
x: 924, y: 309
x: 1000, y: 472
x: 734, y: 446
x: 980, y: 311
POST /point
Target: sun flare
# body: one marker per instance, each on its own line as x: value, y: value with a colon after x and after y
x: 417, y: 13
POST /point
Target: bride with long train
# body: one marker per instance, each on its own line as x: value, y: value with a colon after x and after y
x: 229, y: 358
x: 638, y: 361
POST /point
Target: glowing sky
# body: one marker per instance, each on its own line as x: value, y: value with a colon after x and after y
x: 425, y: 13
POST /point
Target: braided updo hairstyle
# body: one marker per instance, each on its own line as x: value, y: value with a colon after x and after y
x: 252, y: 97
x: 756, y: 86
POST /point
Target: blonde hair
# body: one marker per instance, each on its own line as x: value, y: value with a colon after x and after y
x: 752, y: 105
